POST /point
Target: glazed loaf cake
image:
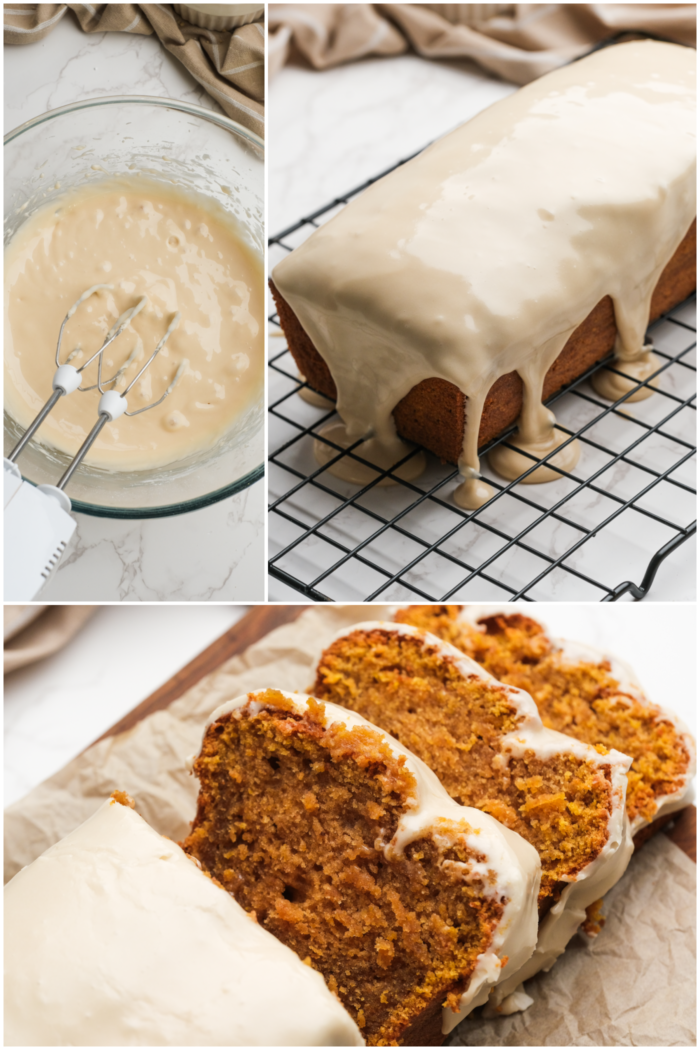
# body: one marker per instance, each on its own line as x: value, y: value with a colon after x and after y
x: 113, y: 937
x: 433, y: 413
x: 456, y: 294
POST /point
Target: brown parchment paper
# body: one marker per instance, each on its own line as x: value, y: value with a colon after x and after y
x: 634, y: 985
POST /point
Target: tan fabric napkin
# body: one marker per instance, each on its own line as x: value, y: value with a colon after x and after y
x: 518, y: 42
x: 634, y: 985
x: 329, y: 34
x: 230, y: 64
x: 33, y: 632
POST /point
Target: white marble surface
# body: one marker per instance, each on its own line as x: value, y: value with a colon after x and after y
x: 57, y: 707
x: 215, y: 554
x: 328, y: 132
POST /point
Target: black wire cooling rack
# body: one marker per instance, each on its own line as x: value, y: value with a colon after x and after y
x: 628, y: 504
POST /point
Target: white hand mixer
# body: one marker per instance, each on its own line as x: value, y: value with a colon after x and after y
x: 38, y: 524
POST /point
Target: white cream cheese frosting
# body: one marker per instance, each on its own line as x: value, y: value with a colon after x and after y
x: 596, y: 878
x: 512, y: 861
x: 114, y: 937
x: 572, y: 652
x: 482, y: 255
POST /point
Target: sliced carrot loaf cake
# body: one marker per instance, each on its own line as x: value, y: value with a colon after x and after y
x: 346, y: 847
x: 113, y: 937
x: 486, y: 743
x: 580, y: 691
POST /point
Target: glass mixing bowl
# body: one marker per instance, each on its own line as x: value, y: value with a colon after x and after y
x: 178, y: 143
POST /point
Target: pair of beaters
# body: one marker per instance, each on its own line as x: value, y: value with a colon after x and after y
x: 38, y: 523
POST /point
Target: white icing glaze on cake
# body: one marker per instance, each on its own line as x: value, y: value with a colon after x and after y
x: 593, y: 881
x: 531, y: 733
x: 514, y: 862
x: 572, y: 652
x: 114, y: 937
x: 483, y: 255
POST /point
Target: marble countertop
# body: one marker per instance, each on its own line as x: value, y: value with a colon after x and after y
x: 55, y: 708
x: 330, y: 131
x: 215, y: 554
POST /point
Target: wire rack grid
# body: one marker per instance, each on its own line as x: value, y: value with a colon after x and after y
x: 600, y: 533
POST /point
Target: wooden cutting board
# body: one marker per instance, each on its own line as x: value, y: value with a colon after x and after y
x: 265, y: 618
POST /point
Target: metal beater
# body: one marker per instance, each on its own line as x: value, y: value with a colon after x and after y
x: 38, y: 524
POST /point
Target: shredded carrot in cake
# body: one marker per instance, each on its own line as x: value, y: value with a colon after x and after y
x: 561, y: 805
x: 582, y: 699
x: 292, y: 817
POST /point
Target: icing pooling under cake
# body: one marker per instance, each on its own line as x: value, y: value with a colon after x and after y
x: 514, y: 862
x: 483, y: 255
x: 594, y: 880
x: 114, y: 937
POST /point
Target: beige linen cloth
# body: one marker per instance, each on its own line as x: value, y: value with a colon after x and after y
x: 33, y: 632
x: 518, y: 42
x: 229, y: 65
x: 634, y: 985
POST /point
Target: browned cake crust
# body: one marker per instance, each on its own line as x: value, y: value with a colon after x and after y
x: 432, y: 413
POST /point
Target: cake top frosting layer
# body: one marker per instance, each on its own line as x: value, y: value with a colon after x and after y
x: 531, y: 733
x: 482, y: 255
x: 114, y: 937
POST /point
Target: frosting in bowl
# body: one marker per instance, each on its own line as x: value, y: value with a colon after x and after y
x: 138, y: 237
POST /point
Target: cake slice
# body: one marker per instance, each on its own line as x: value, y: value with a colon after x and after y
x: 582, y: 692
x: 346, y: 847
x: 114, y: 937
x: 486, y: 743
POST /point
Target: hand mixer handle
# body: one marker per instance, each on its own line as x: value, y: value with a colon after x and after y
x: 37, y: 530
x: 37, y: 523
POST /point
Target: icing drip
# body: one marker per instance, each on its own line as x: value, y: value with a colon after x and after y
x: 510, y: 464
x: 537, y: 432
x: 612, y: 386
x: 312, y: 397
x: 484, y: 254
x: 473, y: 492
x: 538, y: 435
x: 633, y: 355
x: 383, y: 455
